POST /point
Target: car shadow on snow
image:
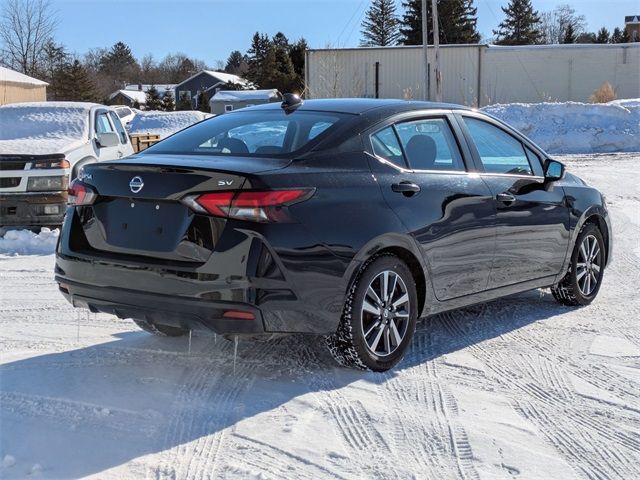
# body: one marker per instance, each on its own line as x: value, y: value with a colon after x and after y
x: 83, y: 411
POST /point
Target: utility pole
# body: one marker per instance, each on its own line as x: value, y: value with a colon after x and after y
x: 436, y: 48
x: 425, y: 41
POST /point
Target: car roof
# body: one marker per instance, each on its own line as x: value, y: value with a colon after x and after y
x: 359, y: 106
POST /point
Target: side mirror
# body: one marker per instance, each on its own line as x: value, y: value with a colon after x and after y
x: 553, y: 170
x: 108, y: 139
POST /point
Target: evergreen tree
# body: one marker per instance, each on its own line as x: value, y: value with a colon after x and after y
x: 118, y: 59
x: 203, y: 101
x: 296, y: 52
x: 154, y: 101
x: 620, y: 36
x: 54, y: 60
x: 168, y: 104
x: 184, y: 102
x: 136, y: 105
x: 380, y: 25
x: 236, y: 63
x: 521, y: 25
x: 75, y: 84
x: 569, y: 35
x: 602, y: 36
x: 457, y: 22
x: 284, y: 77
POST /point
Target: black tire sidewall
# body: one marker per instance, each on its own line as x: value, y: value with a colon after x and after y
x: 380, y: 264
x: 590, y: 229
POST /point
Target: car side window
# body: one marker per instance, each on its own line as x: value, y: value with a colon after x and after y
x: 429, y: 144
x: 119, y: 128
x: 102, y: 123
x: 499, y: 151
x: 386, y: 145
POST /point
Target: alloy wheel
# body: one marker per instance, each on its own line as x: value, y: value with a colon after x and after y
x: 588, y: 265
x: 385, y: 313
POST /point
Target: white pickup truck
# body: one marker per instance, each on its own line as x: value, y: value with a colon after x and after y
x: 42, y: 147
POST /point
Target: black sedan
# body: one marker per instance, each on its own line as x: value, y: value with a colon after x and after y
x: 348, y: 219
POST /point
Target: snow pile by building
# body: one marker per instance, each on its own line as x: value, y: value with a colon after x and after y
x: 573, y: 127
x: 164, y: 123
x: 41, y: 128
x: 25, y: 242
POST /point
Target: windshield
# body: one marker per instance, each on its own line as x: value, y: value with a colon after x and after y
x: 258, y: 133
x: 41, y: 121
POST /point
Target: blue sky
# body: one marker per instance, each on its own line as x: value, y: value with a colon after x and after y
x: 210, y: 29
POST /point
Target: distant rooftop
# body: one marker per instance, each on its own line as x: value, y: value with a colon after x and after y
x: 8, y: 75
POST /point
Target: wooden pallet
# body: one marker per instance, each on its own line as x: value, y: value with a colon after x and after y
x: 141, y: 141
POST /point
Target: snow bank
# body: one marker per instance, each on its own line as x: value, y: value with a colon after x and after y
x: 164, y: 123
x: 42, y: 128
x: 25, y: 242
x: 573, y: 127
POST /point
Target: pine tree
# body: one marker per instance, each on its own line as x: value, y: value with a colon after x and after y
x: 236, y: 63
x: 620, y: 36
x: 602, y: 36
x: 154, y: 101
x: 521, y: 25
x: 168, y: 104
x: 184, y: 102
x: 457, y: 22
x: 569, y: 35
x: 203, y: 101
x: 296, y: 52
x: 54, y: 60
x: 75, y: 84
x: 380, y: 26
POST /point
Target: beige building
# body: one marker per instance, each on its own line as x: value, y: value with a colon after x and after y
x: 476, y: 75
x: 16, y: 87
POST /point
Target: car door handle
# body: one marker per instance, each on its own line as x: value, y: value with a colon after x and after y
x: 405, y: 187
x: 505, y: 198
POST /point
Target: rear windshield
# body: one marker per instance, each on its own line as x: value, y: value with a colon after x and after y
x: 259, y: 133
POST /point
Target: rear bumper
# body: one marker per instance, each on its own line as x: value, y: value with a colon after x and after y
x: 32, y: 209
x: 187, y: 313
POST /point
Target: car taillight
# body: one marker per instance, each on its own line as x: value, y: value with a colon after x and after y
x: 257, y: 206
x: 80, y: 194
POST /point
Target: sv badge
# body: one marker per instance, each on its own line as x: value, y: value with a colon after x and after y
x: 225, y: 183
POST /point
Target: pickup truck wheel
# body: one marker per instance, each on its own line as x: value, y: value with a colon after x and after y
x: 379, y: 316
x: 160, y: 330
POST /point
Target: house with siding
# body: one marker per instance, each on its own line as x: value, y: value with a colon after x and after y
x: 229, y: 100
x: 208, y: 81
x: 136, y: 93
x: 16, y: 87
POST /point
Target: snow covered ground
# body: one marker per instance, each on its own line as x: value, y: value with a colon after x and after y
x: 517, y: 388
x: 573, y: 127
x: 164, y: 123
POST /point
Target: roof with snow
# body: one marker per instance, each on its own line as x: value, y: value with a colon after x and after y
x: 245, y: 95
x: 220, y: 76
x: 632, y: 19
x: 133, y: 95
x: 8, y: 75
x: 146, y: 86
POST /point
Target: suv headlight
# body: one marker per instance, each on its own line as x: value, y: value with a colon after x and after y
x: 46, y: 184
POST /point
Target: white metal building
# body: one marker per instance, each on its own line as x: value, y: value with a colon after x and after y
x: 476, y: 75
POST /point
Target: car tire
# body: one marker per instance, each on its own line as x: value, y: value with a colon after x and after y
x: 160, y: 330
x: 581, y: 284
x: 374, y: 332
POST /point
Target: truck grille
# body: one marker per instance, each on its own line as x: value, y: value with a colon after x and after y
x: 12, y: 165
x: 9, y: 182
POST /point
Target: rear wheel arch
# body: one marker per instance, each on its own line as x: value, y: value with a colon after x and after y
x: 405, y: 253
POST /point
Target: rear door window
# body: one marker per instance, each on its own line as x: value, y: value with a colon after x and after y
x: 429, y: 144
x: 386, y: 145
x: 499, y: 151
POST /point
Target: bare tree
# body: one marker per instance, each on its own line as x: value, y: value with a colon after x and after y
x: 556, y: 22
x: 26, y: 26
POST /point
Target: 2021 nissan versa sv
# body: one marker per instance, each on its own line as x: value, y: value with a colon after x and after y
x: 343, y: 218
